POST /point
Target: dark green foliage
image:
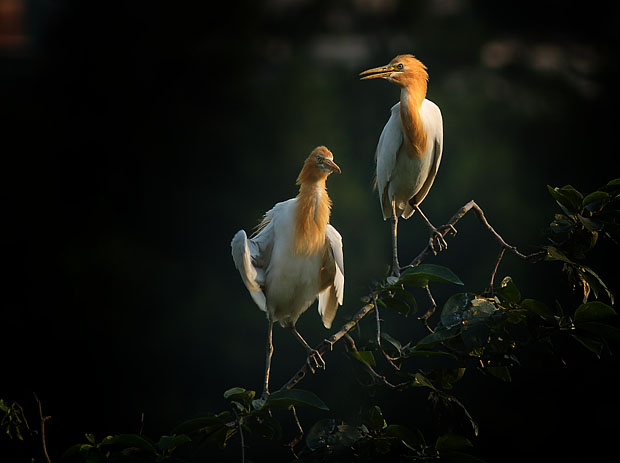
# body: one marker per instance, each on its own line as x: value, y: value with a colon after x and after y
x: 484, y: 334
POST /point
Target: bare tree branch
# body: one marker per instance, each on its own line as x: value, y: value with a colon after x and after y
x: 328, y: 344
x: 385, y: 354
x: 492, y: 282
x: 481, y: 217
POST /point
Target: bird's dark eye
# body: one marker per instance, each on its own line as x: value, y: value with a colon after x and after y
x: 400, y: 66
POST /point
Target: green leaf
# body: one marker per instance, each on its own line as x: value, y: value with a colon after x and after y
x: 593, y: 201
x: 408, y: 298
x: 420, y: 275
x: 233, y: 391
x: 296, y: 397
x: 452, y: 311
x: 592, y: 345
x: 365, y: 356
x: 395, y: 304
x: 440, y: 335
x: 592, y: 311
x: 595, y: 282
x: 592, y: 226
x: 568, y: 198
x: 554, y: 253
x: 481, y: 307
x: 538, y: 308
x: 394, y: 342
x: 420, y: 380
x: 615, y: 182
x: 605, y: 331
x: 374, y: 419
x: 508, y: 291
x: 500, y: 373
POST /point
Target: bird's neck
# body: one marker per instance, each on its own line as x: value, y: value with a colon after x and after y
x: 410, y: 104
x: 311, y: 217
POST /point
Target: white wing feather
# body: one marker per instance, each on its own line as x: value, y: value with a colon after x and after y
x: 387, y: 150
x: 252, y: 256
x: 333, y: 295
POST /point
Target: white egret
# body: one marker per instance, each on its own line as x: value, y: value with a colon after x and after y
x: 409, y: 149
x: 295, y: 257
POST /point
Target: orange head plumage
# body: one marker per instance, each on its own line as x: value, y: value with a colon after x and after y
x: 313, y: 203
x: 406, y: 71
x: 409, y: 73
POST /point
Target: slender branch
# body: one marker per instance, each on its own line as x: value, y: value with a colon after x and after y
x: 350, y: 342
x: 43, y: 420
x: 385, y: 354
x: 328, y: 345
x: 430, y: 311
x: 299, y: 436
x: 481, y: 217
x: 492, y: 282
x: 239, y: 422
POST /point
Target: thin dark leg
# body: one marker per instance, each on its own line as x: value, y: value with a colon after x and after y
x: 312, y: 353
x: 395, y: 265
x: 269, y: 354
x: 435, y: 233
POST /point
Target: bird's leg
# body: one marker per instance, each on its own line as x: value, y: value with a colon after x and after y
x: 312, y: 353
x: 435, y: 233
x: 395, y: 265
x: 269, y: 352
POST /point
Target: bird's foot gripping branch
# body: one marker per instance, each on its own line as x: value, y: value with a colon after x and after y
x: 482, y: 335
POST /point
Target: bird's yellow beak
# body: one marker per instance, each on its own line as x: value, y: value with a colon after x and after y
x: 333, y: 166
x: 375, y: 73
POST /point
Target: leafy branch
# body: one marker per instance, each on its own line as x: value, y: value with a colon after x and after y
x: 486, y: 333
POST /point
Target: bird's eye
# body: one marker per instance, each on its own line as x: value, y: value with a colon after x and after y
x: 400, y: 66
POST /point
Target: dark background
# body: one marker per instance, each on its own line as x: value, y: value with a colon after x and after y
x: 138, y: 137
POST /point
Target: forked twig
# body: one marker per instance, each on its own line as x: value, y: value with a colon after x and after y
x: 481, y: 217
x: 43, y: 420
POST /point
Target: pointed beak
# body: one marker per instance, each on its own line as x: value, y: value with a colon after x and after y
x: 333, y: 166
x: 375, y: 73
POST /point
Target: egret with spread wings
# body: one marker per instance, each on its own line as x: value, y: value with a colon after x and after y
x: 295, y: 257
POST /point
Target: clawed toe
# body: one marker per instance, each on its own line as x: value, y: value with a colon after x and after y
x: 314, y: 357
x: 437, y: 237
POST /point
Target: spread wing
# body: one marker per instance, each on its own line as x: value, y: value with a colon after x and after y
x: 389, y: 144
x: 333, y: 263
x: 252, y: 256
